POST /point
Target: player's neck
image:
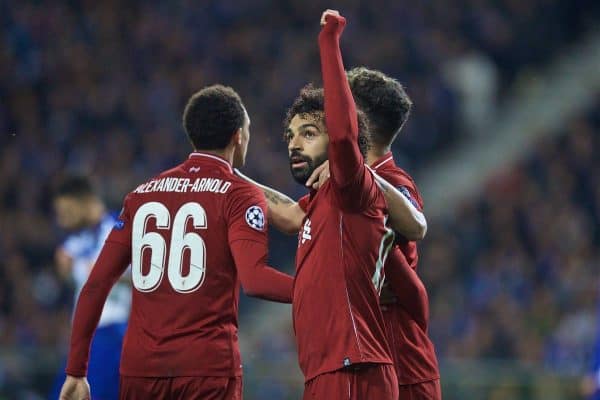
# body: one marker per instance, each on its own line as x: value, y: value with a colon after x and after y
x: 226, y: 153
x: 376, y: 152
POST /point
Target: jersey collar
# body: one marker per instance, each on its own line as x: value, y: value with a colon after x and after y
x: 387, y: 158
x: 210, y: 158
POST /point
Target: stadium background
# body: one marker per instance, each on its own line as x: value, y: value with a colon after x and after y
x: 503, y: 142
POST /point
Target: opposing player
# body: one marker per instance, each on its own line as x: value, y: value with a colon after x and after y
x: 190, y: 234
x: 343, y: 244
x: 81, y: 212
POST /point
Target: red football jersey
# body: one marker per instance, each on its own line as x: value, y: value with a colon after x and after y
x: 192, y: 234
x: 406, y: 323
x: 343, y: 241
x: 339, y: 263
x: 388, y: 170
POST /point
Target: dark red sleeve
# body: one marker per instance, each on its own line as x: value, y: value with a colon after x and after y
x: 121, y: 232
x: 248, y: 240
x: 303, y: 202
x: 356, y: 185
x: 407, y: 286
x: 257, y: 278
x: 246, y: 215
x: 406, y: 185
x: 110, y: 265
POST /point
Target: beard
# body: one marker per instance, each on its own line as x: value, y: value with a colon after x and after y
x: 301, y: 174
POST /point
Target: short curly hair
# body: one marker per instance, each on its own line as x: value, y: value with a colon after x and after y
x: 383, y: 99
x: 311, y: 101
x: 212, y: 116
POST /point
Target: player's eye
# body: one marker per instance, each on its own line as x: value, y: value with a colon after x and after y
x: 308, y: 134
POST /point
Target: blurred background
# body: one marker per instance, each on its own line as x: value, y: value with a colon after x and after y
x: 503, y: 143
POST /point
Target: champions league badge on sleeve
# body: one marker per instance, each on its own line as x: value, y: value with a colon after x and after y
x: 406, y: 194
x: 119, y: 225
x: 255, y: 218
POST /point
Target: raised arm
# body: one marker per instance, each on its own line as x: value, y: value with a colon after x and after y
x: 283, y: 212
x: 345, y: 159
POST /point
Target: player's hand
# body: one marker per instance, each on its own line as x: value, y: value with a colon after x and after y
x: 75, y: 389
x: 332, y: 22
x: 387, y: 296
x: 319, y: 176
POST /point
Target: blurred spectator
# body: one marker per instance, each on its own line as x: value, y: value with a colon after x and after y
x: 523, y: 283
x: 475, y: 79
x: 590, y: 385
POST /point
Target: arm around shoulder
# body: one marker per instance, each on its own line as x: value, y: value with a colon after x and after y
x: 248, y: 242
x: 405, y: 218
x: 282, y: 211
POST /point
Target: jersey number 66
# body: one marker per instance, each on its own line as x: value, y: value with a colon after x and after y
x: 180, y: 241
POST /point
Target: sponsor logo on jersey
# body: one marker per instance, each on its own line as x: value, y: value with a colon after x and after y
x: 255, y: 218
x: 195, y: 169
x: 305, y: 232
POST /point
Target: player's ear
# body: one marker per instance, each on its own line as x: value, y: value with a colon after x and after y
x: 237, y: 137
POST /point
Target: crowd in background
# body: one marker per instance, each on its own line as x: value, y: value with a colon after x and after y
x: 99, y: 87
x: 515, y: 273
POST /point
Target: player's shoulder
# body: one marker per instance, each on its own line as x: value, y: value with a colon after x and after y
x: 401, y: 180
x: 242, y: 188
x: 245, y: 200
x: 398, y: 177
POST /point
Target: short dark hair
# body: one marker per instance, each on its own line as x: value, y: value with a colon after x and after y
x: 74, y: 186
x: 311, y: 100
x: 212, y: 116
x: 383, y: 99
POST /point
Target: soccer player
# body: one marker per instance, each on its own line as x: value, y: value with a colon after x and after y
x: 191, y: 234
x: 81, y: 212
x: 343, y: 243
x: 387, y: 105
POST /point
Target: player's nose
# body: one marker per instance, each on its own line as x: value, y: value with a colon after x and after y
x: 294, y: 143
